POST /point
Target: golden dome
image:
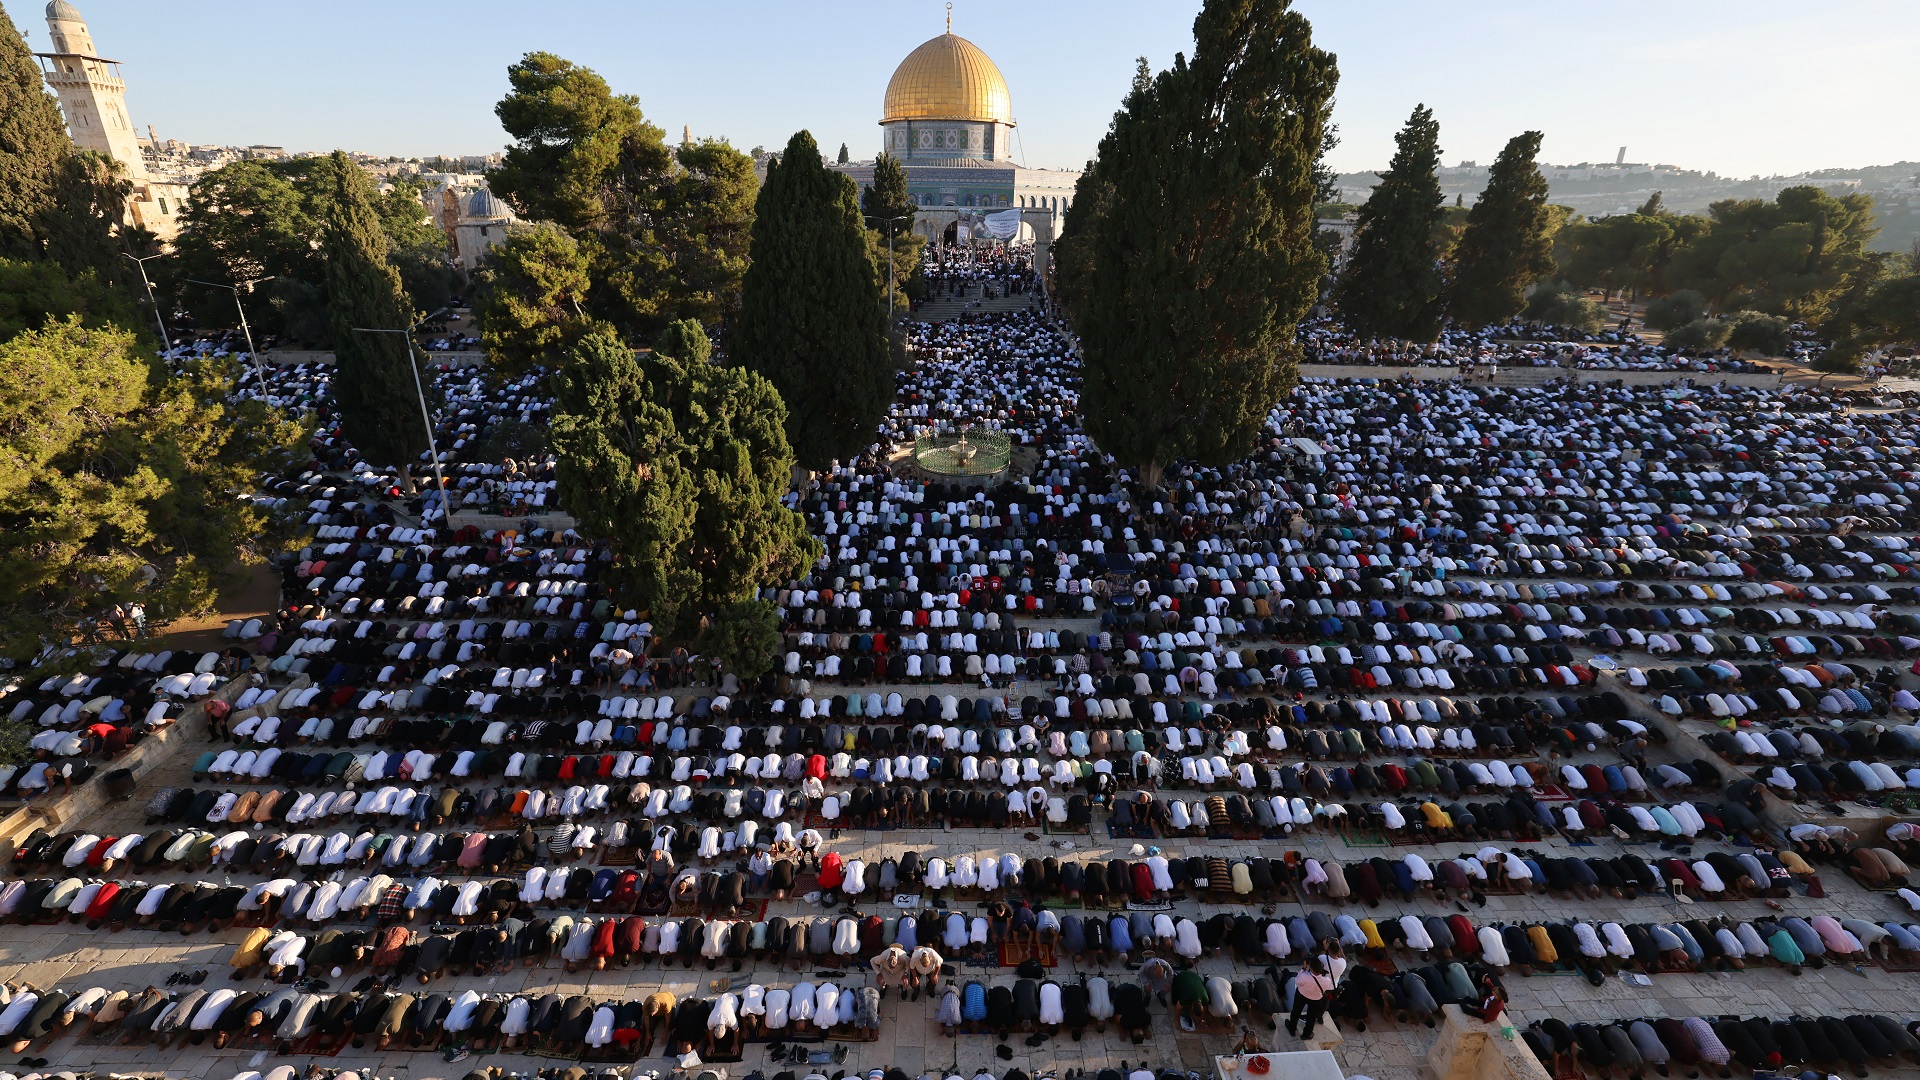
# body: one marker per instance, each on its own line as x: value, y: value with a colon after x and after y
x: 948, y: 78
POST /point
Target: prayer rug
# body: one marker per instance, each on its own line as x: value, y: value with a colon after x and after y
x: 1012, y: 955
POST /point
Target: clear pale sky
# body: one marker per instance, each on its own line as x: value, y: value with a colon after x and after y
x: 1735, y: 86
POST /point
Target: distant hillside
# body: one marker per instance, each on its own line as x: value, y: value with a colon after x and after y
x: 1603, y: 189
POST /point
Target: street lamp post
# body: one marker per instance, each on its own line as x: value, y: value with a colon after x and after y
x: 890, y: 223
x: 158, y: 319
x: 426, y: 418
x: 259, y: 369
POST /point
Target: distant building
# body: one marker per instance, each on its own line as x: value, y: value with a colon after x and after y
x: 1342, y: 227
x: 94, y: 101
x: 474, y: 221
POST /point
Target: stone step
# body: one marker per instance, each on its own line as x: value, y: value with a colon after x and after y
x: 950, y: 308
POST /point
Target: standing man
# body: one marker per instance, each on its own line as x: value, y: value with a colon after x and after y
x: 1310, y: 990
x: 890, y: 967
x: 923, y: 967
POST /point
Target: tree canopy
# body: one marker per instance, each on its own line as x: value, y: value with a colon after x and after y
x: 1616, y: 253
x: 118, y: 482
x: 683, y: 464
x: 531, y: 296
x: 32, y: 293
x: 1758, y: 332
x: 33, y: 146
x: 571, y: 134
x: 1557, y: 303
x: 1887, y: 315
x: 810, y: 312
x: 1187, y: 324
x: 1700, y: 335
x: 1677, y: 308
x: 1796, y: 256
x: 1507, y: 245
x: 1392, y: 283
x: 259, y: 219
x: 664, y: 232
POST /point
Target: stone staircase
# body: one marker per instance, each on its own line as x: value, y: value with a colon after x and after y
x: 948, y: 308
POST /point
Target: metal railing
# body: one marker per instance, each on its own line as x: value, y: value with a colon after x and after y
x: 966, y: 453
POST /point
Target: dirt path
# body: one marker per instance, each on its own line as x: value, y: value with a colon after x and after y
x: 256, y: 594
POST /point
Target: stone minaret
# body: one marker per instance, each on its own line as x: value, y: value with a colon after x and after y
x: 90, y: 91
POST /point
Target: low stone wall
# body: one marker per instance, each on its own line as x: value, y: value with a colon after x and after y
x: 1467, y: 1049
x: 1527, y: 376
x: 157, y: 749
x: 290, y: 357
x: 553, y: 521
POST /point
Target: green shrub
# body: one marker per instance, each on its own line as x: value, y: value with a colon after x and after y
x: 1758, y: 332
x: 1677, y: 310
x: 1700, y: 335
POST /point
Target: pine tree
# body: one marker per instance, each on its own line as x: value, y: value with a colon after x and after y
x: 108, y: 475
x: 33, y: 146
x: 810, y: 317
x: 705, y: 226
x: 571, y: 133
x: 1188, y: 255
x: 373, y: 383
x: 1392, y: 283
x: 665, y: 230
x: 1508, y: 243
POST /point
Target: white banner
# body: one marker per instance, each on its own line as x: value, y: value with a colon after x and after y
x: 1004, y: 225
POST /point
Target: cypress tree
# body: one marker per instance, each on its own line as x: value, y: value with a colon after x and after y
x: 887, y: 196
x: 1507, y: 244
x: 1392, y: 284
x: 1188, y: 255
x: 81, y: 228
x: 890, y: 211
x: 682, y: 464
x: 685, y: 341
x: 33, y: 146
x: 621, y: 471
x: 372, y: 381
x: 810, y: 317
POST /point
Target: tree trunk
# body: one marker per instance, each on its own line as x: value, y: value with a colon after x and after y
x: 407, y: 483
x: 1150, y: 474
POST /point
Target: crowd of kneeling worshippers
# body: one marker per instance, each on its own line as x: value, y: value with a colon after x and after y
x: 1325, y: 340
x: 1450, y: 625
